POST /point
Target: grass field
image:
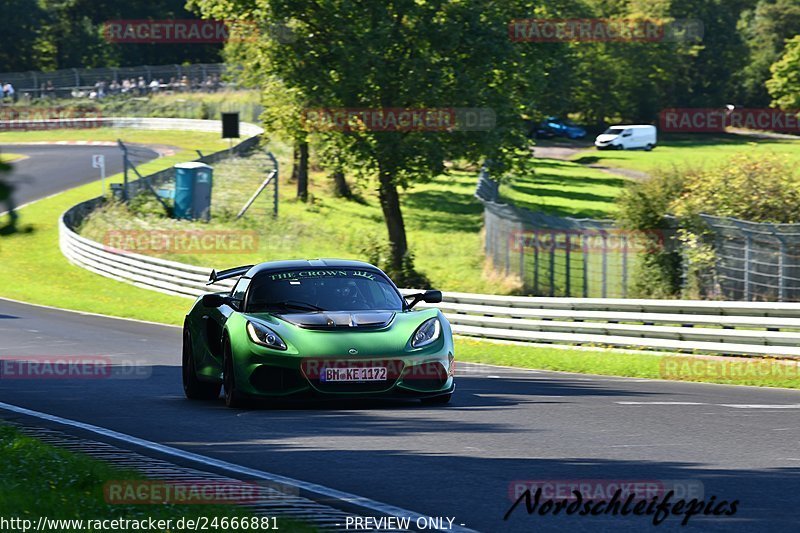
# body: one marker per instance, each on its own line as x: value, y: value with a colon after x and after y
x: 183, y: 139
x: 8, y: 158
x: 696, y: 150
x: 43, y: 481
x: 564, y: 188
x: 442, y: 217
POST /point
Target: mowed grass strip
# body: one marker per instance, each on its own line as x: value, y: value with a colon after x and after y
x: 40, y: 480
x: 564, y: 188
x: 10, y: 158
x: 702, y: 369
x: 691, y: 150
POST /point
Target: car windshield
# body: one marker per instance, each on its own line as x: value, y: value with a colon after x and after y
x: 312, y: 290
x: 614, y: 131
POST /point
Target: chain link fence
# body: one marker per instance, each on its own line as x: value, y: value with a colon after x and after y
x: 754, y: 261
x: 63, y: 83
x: 562, y: 256
x: 559, y: 256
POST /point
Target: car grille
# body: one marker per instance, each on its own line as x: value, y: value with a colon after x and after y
x: 268, y: 378
x: 425, y: 377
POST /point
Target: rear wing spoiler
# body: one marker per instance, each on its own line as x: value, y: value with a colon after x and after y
x: 227, y: 274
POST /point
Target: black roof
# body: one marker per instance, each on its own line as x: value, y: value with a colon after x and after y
x: 308, y: 263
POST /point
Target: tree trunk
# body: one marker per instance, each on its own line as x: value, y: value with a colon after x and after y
x: 295, y: 162
x: 390, y: 204
x: 341, y: 188
x: 301, y: 165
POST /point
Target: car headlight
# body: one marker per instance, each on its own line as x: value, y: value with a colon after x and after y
x: 264, y: 336
x: 429, y: 331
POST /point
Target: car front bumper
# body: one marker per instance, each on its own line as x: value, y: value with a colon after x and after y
x: 292, y: 376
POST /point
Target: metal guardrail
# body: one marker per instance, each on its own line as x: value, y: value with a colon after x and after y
x: 768, y: 329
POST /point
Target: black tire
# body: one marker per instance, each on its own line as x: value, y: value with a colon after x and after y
x: 648, y: 147
x: 193, y: 388
x: 233, y: 398
x: 438, y: 400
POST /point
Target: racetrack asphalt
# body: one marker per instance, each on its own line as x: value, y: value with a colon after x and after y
x: 50, y: 168
x: 461, y: 460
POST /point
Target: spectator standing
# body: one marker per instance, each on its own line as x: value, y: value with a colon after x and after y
x: 9, y: 92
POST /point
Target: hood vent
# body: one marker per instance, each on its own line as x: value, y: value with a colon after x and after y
x: 340, y: 319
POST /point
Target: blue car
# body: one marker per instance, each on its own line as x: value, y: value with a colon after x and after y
x: 556, y: 127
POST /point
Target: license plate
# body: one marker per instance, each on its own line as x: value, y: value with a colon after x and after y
x: 353, y: 374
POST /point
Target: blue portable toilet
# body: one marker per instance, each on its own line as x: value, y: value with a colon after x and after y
x: 193, y: 184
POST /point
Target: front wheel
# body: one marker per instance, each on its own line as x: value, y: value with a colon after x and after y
x: 193, y: 388
x: 233, y: 398
x: 648, y: 147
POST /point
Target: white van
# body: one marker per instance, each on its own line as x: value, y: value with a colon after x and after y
x: 627, y: 137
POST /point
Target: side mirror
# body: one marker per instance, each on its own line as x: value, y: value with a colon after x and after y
x: 430, y: 297
x: 214, y: 300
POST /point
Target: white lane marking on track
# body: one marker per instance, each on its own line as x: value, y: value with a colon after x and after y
x: 761, y: 406
x: 640, y: 445
x: 661, y: 403
x: 321, y: 490
x: 733, y: 405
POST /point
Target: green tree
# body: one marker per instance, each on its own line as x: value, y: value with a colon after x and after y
x: 53, y: 34
x: 765, y: 29
x: 399, y: 54
x: 19, y: 35
x: 784, y: 86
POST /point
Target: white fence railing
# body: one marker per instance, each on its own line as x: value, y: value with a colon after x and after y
x: 740, y: 328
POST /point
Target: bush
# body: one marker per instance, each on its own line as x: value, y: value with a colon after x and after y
x: 646, y: 206
x: 758, y: 189
x: 753, y: 188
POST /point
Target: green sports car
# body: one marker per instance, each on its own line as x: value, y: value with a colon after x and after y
x: 311, y: 329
